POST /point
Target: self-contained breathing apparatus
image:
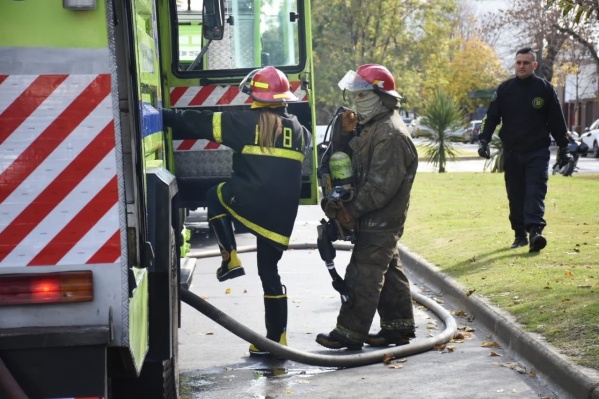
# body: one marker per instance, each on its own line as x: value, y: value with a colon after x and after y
x: 336, y: 181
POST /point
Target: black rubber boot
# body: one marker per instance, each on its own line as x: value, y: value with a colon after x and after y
x: 231, y: 264
x: 335, y: 340
x: 275, y: 319
x: 537, y: 241
x: 386, y: 338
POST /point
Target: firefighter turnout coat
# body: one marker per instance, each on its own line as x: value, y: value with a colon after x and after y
x: 385, y: 162
x: 263, y: 193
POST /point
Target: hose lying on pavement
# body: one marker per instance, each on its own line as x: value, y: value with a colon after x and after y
x: 336, y: 360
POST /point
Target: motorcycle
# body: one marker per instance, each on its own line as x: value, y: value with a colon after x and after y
x: 576, y: 148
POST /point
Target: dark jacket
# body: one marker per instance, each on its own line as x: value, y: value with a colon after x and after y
x: 529, y: 111
x: 264, y: 190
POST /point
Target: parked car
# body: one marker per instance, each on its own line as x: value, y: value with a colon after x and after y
x: 473, y: 130
x: 421, y: 130
x: 591, y: 138
x: 462, y: 134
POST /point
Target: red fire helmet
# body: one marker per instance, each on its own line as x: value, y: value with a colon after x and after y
x: 370, y: 77
x: 268, y: 85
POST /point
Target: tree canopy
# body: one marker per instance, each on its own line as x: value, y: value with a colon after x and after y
x: 420, y: 42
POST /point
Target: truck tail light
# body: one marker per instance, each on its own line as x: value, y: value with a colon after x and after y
x: 61, y: 287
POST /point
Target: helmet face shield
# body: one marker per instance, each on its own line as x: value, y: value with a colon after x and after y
x: 354, y: 82
x: 369, y: 77
x: 244, y: 86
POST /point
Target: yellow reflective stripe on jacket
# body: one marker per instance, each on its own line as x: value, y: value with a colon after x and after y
x: 217, y: 131
x: 273, y: 152
x: 271, y: 235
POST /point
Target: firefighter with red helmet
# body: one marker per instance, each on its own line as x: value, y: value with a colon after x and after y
x: 384, y: 163
x: 263, y: 193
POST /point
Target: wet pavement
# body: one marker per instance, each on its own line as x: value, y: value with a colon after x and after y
x: 215, y: 363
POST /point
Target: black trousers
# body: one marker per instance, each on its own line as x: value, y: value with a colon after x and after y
x: 268, y: 255
x: 526, y: 176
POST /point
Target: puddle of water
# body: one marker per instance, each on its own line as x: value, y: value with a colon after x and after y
x: 285, y: 372
x: 199, y: 383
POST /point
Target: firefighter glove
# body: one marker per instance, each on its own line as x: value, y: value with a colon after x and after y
x: 483, y: 149
x: 335, y: 210
x: 349, y: 121
x: 346, y: 219
x: 331, y: 208
x: 563, y: 156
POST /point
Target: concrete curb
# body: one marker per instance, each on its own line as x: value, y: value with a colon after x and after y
x: 523, y: 346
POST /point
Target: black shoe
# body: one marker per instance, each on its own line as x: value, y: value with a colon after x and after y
x: 537, y: 242
x: 381, y: 339
x: 519, y: 242
x: 336, y: 341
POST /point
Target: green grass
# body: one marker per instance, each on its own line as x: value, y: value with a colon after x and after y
x: 459, y: 222
x: 460, y: 153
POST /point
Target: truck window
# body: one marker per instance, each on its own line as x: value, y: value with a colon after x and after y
x: 256, y: 34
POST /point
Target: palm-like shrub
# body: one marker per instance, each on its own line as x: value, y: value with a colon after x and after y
x: 443, y: 116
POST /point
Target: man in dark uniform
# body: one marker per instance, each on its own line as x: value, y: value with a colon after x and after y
x: 529, y: 111
x: 263, y: 193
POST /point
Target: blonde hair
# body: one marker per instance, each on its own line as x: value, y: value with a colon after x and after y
x: 270, y: 127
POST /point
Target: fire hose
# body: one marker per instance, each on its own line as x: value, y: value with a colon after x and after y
x: 336, y: 360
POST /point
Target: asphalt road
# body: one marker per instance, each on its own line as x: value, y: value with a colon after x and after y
x: 215, y: 363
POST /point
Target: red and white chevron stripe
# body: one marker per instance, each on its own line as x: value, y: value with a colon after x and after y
x: 197, y: 145
x: 58, y: 173
x: 205, y: 96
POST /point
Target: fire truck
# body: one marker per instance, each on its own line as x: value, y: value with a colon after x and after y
x: 94, y: 193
